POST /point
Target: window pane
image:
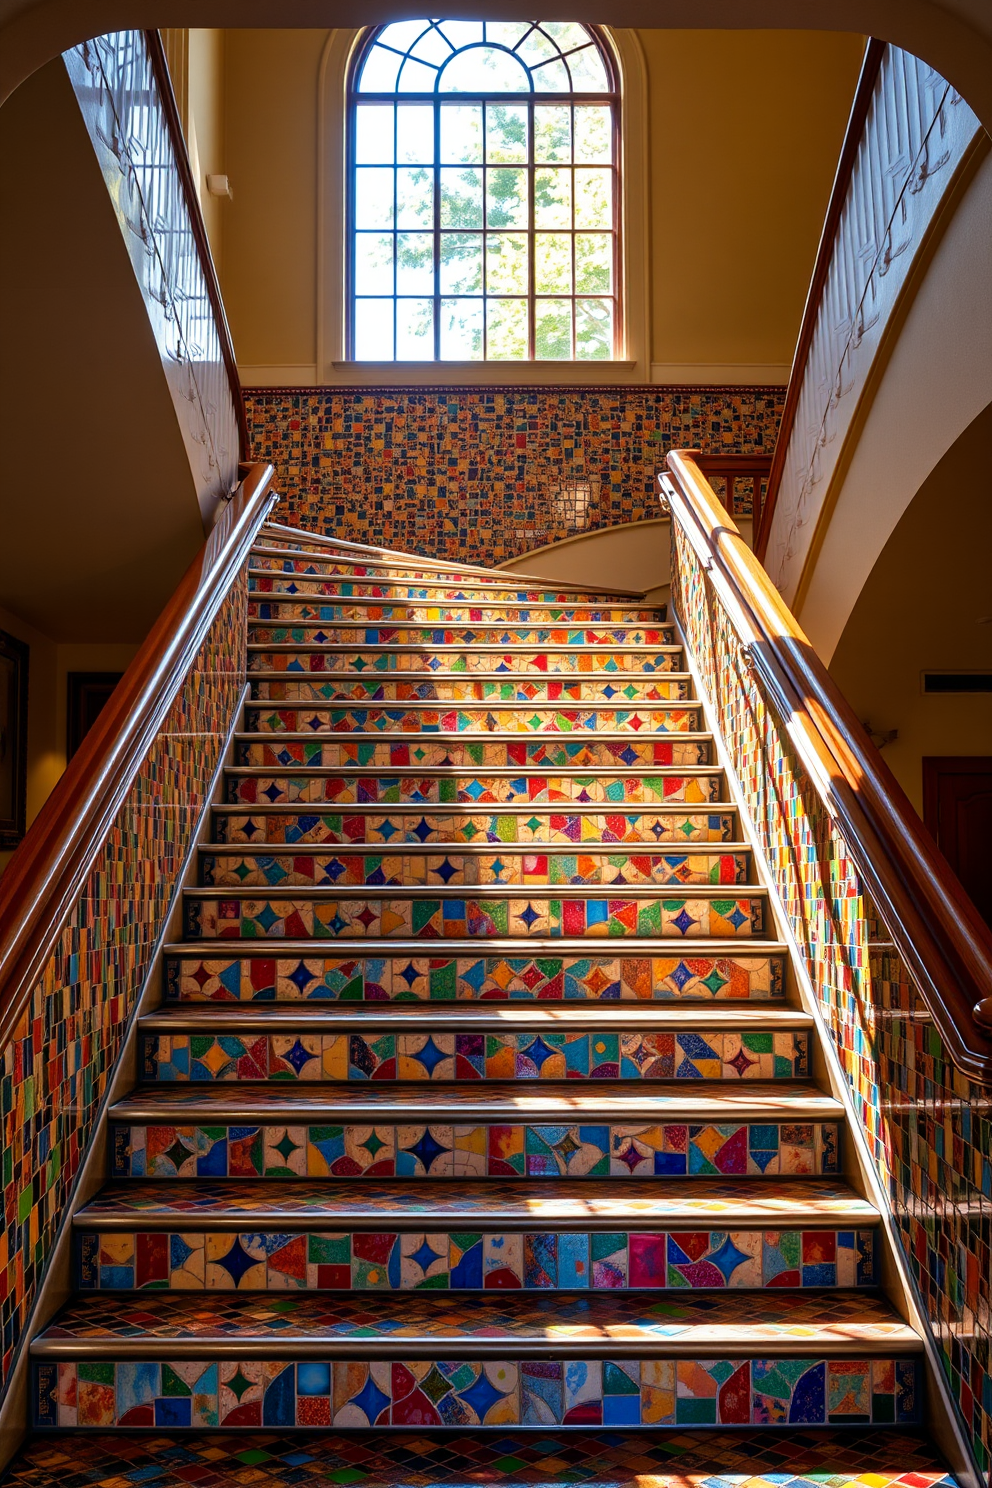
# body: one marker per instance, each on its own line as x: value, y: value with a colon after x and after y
x: 553, y: 330
x: 506, y: 263
x: 506, y: 197
x: 538, y: 47
x: 374, y: 330
x: 593, y: 198
x: 415, y: 263
x: 588, y: 72
x: 506, y: 330
x: 415, y: 134
x: 432, y: 47
x: 553, y: 263
x: 593, y: 330
x: 552, y: 77
x: 414, y: 330
x: 461, y: 330
x: 552, y: 132
x: 373, y: 263
x: 593, y: 133
x: 415, y: 197
x: 461, y: 134
x: 506, y: 33
x: 461, y: 198
x: 566, y: 34
x: 401, y: 35
x: 462, y: 33
x: 374, y: 134
x: 373, y: 198
x: 461, y: 263
x: 506, y: 133
x: 593, y: 263
x: 379, y: 72
x: 484, y: 70
x: 416, y: 77
x: 552, y: 198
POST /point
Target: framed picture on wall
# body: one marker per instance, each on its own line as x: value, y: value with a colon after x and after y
x: 13, y: 738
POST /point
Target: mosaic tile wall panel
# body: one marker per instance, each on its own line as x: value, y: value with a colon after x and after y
x: 485, y: 474
x: 928, y: 1127
x: 58, y: 1062
x: 194, y: 1394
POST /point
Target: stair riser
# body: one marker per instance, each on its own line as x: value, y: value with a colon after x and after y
x: 340, y: 590
x: 617, y: 755
x: 544, y: 828
x: 270, y: 918
x: 443, y: 1057
x: 347, y: 571
x: 440, y: 979
x: 400, y: 869
x: 256, y: 1260
x: 530, y: 719
x: 439, y: 640
x: 309, y: 614
x: 471, y: 790
x: 487, y: 1395
x: 545, y: 662
x: 474, y: 1150
x: 445, y: 689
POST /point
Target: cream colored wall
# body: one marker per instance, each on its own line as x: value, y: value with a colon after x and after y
x: 927, y: 604
x: 206, y: 125
x: 744, y: 132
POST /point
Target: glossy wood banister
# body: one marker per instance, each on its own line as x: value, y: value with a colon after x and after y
x: 170, y: 108
x: 49, y: 869
x: 874, y: 52
x: 933, y: 924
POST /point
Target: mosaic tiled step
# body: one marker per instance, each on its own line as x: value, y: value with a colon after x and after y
x: 421, y: 864
x: 519, y: 639
x: 507, y: 718
x: 865, y: 1457
x: 448, y: 975
x: 465, y: 582
x: 263, y: 583
x: 232, y: 1393
x: 410, y: 913
x: 311, y: 614
x: 620, y: 753
x: 473, y: 1042
x: 622, y: 1131
x: 514, y: 824
x: 257, y: 783
x: 344, y: 1258
x: 548, y: 660
x: 273, y: 687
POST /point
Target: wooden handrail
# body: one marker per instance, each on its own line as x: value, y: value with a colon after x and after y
x: 167, y: 93
x: 874, y: 52
x: 934, y: 926
x: 49, y: 869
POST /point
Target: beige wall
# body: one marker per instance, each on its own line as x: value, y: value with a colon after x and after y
x: 744, y: 133
x: 205, y: 115
x: 927, y: 604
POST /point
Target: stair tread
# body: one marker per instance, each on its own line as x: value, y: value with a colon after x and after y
x: 839, y: 1323
x: 708, y: 1101
x: 510, y: 1017
x: 592, y: 1204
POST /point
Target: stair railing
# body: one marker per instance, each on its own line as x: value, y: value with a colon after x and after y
x: 835, y: 823
x: 88, y: 892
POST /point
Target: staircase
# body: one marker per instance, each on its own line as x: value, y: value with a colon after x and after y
x: 480, y: 1094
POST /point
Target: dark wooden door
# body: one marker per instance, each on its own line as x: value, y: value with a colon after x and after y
x: 957, y: 808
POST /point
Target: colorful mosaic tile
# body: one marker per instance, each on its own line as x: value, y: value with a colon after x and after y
x: 465, y: 1150
x: 507, y: 718
x: 243, y: 870
x: 282, y: 588
x: 210, y: 916
x: 465, y: 473
x: 550, y: 828
x: 545, y: 660
x: 475, y: 1260
x: 759, y: 1054
x: 630, y: 690
x: 514, y: 754
x: 480, y: 789
x: 198, y: 1395
x: 872, y: 1457
x: 470, y: 978
x: 927, y: 1126
x: 312, y: 614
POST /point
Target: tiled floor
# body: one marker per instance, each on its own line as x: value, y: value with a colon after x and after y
x: 855, y: 1459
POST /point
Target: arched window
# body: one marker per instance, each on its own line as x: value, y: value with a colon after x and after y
x: 483, y: 193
